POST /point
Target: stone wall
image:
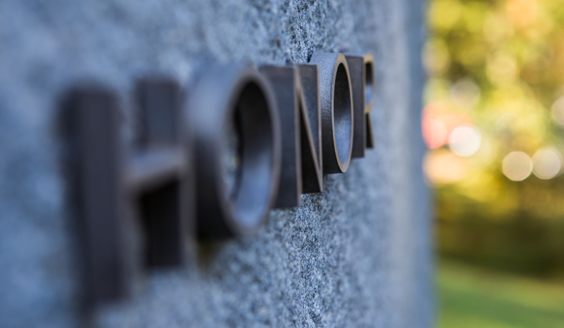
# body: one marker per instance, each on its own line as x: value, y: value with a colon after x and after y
x: 357, y: 255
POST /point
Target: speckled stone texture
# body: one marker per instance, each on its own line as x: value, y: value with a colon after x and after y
x: 358, y: 255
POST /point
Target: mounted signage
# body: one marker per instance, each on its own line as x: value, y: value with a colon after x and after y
x: 243, y: 141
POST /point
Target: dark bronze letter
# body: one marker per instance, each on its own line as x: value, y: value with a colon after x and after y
x: 233, y: 117
x: 296, y: 90
x: 336, y: 111
x: 90, y: 121
x: 158, y: 174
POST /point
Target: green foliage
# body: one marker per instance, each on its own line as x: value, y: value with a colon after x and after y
x: 497, y: 65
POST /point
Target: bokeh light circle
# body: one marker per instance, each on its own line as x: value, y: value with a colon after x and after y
x: 465, y: 140
x: 465, y: 93
x: 441, y: 166
x: 557, y: 111
x: 517, y: 166
x: 546, y: 163
x: 434, y: 132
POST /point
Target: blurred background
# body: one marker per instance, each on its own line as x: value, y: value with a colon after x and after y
x: 494, y: 124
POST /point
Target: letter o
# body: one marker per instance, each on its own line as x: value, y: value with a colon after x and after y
x: 236, y: 200
x: 336, y: 111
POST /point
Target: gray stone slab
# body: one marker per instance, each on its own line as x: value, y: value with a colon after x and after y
x: 358, y: 255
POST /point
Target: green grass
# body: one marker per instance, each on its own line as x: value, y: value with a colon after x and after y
x: 477, y: 298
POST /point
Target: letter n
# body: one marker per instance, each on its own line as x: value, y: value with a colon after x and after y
x: 297, y: 96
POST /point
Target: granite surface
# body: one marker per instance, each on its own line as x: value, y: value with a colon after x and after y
x: 357, y: 255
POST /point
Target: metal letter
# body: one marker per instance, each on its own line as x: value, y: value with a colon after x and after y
x: 301, y: 169
x: 158, y: 176
x: 90, y: 121
x: 357, y: 76
x: 310, y: 128
x: 284, y: 84
x: 369, y: 91
x: 232, y: 113
x: 336, y: 111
